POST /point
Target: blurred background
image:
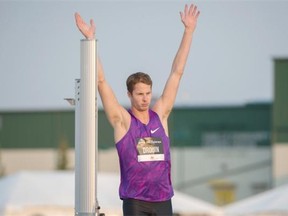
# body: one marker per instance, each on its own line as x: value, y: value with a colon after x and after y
x: 229, y: 127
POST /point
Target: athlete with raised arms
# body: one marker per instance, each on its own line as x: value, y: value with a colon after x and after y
x: 141, y: 133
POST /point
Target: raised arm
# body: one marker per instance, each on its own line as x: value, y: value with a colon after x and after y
x: 165, y: 103
x: 116, y: 114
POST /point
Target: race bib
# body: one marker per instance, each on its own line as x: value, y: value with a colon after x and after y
x: 150, y: 149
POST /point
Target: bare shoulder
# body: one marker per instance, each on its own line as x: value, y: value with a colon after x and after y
x: 122, y: 126
x: 162, y: 110
x: 163, y: 118
x: 126, y: 118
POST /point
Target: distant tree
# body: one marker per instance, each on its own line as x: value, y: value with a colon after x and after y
x: 2, y: 168
x: 62, y: 156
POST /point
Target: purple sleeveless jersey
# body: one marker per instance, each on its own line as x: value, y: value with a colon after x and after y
x: 145, y: 163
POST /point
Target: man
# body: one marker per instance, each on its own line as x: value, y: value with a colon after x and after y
x: 141, y: 133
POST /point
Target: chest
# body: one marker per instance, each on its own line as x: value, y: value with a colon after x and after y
x: 152, y: 129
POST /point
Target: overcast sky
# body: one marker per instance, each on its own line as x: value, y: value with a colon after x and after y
x: 231, y: 59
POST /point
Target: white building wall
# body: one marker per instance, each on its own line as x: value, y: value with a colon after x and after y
x: 280, y: 163
x: 202, y: 165
x: 243, y: 167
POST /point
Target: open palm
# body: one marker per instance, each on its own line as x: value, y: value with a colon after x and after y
x: 189, y: 17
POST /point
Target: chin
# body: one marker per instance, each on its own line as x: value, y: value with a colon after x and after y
x: 144, y: 108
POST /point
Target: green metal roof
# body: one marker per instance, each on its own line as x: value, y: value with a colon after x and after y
x: 189, y: 126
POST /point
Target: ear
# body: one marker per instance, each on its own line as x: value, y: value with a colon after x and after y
x: 129, y: 94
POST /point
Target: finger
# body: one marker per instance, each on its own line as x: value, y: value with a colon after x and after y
x: 186, y: 9
x: 194, y: 11
x: 197, y: 15
x: 191, y: 8
x: 76, y: 15
x: 92, y: 23
x: 182, y: 16
x: 93, y: 26
x: 79, y: 20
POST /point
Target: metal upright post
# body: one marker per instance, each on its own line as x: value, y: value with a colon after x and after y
x: 96, y: 133
x: 85, y: 133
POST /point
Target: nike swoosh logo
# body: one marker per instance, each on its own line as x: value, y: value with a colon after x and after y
x: 153, y: 131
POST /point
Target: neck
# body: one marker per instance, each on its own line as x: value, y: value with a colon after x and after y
x: 142, y: 116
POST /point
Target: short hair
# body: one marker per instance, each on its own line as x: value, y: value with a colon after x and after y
x: 138, y: 77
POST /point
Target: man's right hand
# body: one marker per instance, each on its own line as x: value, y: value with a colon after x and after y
x: 86, y: 30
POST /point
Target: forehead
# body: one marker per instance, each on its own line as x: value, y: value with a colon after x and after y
x: 142, y: 87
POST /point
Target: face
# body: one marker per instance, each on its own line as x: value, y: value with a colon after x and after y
x: 141, y: 96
